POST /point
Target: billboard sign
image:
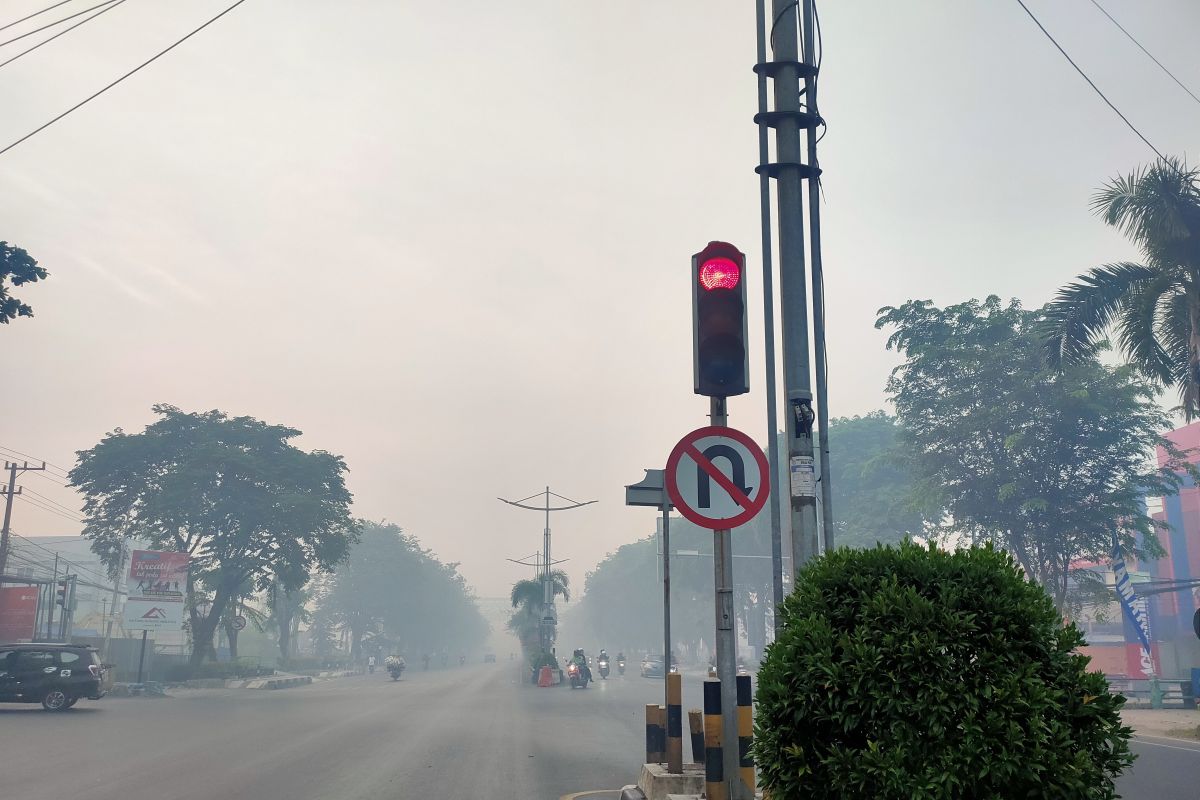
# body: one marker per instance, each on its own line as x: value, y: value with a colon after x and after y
x: 157, y: 588
x: 18, y: 613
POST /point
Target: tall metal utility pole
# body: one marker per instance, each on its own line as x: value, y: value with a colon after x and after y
x: 548, y: 615
x: 768, y: 268
x: 808, y: 25
x: 13, y: 468
x: 790, y: 172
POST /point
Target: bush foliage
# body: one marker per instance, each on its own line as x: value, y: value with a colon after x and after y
x: 906, y: 672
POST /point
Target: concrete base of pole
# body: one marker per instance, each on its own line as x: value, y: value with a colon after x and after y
x: 656, y: 782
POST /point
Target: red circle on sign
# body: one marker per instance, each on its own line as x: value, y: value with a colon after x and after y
x: 750, y: 508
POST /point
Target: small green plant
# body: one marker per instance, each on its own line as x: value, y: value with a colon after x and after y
x: 911, y: 672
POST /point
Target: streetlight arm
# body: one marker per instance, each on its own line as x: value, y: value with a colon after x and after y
x: 544, y: 508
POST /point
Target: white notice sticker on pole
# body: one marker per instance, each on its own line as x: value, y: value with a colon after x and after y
x: 804, y: 477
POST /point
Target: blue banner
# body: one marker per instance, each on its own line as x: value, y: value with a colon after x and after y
x: 1129, y: 599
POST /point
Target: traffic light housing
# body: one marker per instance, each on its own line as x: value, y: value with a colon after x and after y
x: 60, y: 593
x: 719, y: 354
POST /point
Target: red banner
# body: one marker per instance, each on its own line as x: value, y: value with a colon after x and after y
x: 18, y: 613
x: 154, y: 573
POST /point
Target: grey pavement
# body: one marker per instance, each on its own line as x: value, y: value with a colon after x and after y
x: 471, y: 732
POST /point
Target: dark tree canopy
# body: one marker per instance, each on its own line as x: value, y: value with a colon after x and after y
x: 1005, y: 447
x: 231, y: 491
x: 17, y: 267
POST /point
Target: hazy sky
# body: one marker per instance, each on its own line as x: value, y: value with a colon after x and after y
x: 450, y: 241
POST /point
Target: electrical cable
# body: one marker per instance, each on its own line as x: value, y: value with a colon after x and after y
x: 51, y: 501
x: 56, y: 22
x: 47, y: 509
x: 34, y: 14
x: 1090, y: 82
x: 62, y: 560
x: 131, y: 72
x: 1144, y: 50
x: 53, y: 479
x: 35, y: 458
x: 61, y: 33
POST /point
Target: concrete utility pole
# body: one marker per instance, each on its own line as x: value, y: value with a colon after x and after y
x: 108, y: 626
x: 548, y: 615
x: 790, y: 172
x: 13, y: 468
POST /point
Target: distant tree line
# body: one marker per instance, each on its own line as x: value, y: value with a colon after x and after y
x: 270, y: 535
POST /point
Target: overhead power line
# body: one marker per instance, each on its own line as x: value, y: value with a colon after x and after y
x: 46, y: 508
x: 1084, y: 75
x: 35, y: 458
x: 34, y: 14
x: 56, y: 22
x: 1149, y: 55
x: 131, y: 72
x: 61, y: 33
x: 52, y: 502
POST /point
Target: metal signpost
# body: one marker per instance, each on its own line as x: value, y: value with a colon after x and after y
x: 721, y: 499
x: 652, y: 491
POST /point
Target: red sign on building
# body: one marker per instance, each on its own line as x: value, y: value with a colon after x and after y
x: 18, y: 613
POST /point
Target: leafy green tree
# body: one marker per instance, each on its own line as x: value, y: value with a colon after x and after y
x: 17, y: 267
x: 231, y: 491
x: 1153, y: 306
x: 872, y: 488
x: 1007, y: 448
x: 913, y: 673
x: 393, y: 592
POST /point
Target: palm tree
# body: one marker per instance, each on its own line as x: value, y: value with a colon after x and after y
x: 528, y: 593
x: 1154, y: 307
x: 527, y: 598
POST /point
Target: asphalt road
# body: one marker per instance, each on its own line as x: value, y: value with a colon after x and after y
x: 463, y: 733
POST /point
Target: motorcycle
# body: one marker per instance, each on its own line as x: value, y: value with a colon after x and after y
x: 395, y: 666
x: 577, y: 677
x: 621, y: 666
x: 603, y: 664
x: 370, y: 669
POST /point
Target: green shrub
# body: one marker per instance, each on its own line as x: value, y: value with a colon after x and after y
x: 918, y: 673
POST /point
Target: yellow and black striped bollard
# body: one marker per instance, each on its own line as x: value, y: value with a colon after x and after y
x: 674, y: 723
x: 714, y: 767
x: 696, y: 726
x: 745, y: 729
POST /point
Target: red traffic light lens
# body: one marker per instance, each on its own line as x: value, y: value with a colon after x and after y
x: 720, y: 273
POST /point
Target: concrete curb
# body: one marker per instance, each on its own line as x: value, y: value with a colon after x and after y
x: 345, y: 673
x: 277, y: 683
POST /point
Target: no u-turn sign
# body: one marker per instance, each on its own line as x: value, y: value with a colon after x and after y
x: 718, y: 477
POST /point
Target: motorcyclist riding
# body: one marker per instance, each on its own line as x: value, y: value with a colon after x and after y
x: 581, y: 660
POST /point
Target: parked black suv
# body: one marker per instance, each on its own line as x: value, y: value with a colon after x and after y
x: 55, y: 675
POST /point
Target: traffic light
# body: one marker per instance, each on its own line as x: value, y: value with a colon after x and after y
x: 719, y: 321
x: 60, y: 593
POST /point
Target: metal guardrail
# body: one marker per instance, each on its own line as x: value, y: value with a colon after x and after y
x: 1163, y: 693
